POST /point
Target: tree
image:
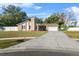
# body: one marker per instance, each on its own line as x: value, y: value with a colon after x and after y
x: 69, y: 16
x: 58, y: 18
x: 52, y: 19
x: 12, y: 15
x: 39, y: 20
x: 61, y: 21
x: 55, y: 18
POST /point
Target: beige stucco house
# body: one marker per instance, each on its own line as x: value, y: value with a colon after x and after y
x: 31, y: 25
x: 28, y: 25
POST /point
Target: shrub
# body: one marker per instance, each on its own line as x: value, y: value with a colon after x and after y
x: 62, y: 27
x: 20, y: 40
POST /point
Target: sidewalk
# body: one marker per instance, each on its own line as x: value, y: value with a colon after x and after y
x: 17, y: 38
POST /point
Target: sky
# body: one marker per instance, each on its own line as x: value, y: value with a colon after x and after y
x: 43, y: 10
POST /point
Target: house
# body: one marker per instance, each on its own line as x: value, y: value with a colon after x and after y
x: 72, y: 23
x: 77, y: 23
x: 31, y: 25
x: 28, y: 25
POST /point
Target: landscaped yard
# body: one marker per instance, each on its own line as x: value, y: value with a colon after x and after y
x: 73, y: 34
x: 9, y: 34
x: 7, y: 43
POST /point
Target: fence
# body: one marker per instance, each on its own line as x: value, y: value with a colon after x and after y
x: 73, y: 29
x: 9, y: 28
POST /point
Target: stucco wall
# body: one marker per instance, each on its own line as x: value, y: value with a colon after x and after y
x: 77, y: 22
x: 33, y: 24
x: 13, y: 28
x: 73, y: 29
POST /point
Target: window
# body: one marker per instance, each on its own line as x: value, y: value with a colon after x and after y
x: 23, y: 26
x: 29, y: 26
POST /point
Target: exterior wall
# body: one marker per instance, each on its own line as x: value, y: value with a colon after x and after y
x: 52, y: 28
x: 29, y: 25
x: 37, y: 27
x: 73, y: 29
x: 13, y: 28
x: 19, y: 27
x: 22, y: 27
x: 33, y: 24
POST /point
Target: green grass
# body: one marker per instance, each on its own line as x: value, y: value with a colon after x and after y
x: 8, y: 43
x: 72, y: 34
x: 73, y: 26
x: 9, y: 34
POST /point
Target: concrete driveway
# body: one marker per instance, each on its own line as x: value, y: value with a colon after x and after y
x: 52, y: 43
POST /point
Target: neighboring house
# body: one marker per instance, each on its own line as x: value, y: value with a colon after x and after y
x: 77, y: 23
x: 72, y: 23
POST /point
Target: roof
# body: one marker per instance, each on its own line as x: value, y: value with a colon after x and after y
x: 23, y: 21
x: 48, y: 25
x: 26, y: 20
x: 52, y: 25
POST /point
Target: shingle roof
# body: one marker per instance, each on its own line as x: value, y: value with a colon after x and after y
x: 24, y: 21
x: 52, y: 25
x: 48, y: 25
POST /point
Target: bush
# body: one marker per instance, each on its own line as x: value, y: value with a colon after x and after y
x: 20, y: 40
x: 62, y: 28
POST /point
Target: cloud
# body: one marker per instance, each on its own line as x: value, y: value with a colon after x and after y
x: 31, y: 5
x: 74, y: 10
x: 43, y: 15
x: 28, y: 5
x: 38, y: 14
x: 37, y: 7
x: 17, y: 4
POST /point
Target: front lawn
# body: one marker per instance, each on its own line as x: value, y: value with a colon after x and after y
x: 9, y: 34
x: 72, y: 34
x: 8, y: 43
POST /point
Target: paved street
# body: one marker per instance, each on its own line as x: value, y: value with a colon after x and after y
x: 52, y: 43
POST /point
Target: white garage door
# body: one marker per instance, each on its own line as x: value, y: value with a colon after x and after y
x: 52, y: 28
